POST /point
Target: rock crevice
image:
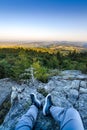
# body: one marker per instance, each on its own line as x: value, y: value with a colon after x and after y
x: 67, y: 89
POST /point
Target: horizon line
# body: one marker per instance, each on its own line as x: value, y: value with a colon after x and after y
x: 41, y: 41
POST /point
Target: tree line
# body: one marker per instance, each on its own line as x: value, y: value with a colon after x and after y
x: 14, y: 61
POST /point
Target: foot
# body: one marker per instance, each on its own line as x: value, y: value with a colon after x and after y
x: 35, y: 101
x: 47, y: 105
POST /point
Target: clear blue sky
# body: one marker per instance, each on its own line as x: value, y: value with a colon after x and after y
x: 43, y: 20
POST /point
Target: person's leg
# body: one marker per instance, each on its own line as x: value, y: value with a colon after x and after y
x: 28, y: 120
x: 68, y: 119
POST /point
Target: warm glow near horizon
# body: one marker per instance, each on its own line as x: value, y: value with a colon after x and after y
x: 43, y: 20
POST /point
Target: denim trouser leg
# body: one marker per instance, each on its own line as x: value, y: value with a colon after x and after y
x: 28, y: 120
x: 68, y: 119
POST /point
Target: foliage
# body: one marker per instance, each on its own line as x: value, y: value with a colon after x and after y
x: 4, y: 110
x: 5, y: 70
x: 14, y: 61
x: 40, y: 72
x: 20, y: 64
x: 42, y: 91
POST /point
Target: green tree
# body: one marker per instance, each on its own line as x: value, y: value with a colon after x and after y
x: 40, y: 72
x: 20, y: 64
x: 5, y: 68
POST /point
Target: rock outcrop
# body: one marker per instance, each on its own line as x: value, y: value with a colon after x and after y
x: 5, y: 89
x: 68, y: 89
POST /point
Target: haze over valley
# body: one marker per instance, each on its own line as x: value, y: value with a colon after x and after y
x: 53, y: 45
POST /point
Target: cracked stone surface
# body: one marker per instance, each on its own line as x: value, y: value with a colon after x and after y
x: 5, y: 89
x: 67, y: 89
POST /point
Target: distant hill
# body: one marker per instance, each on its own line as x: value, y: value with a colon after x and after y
x: 85, y: 45
x: 54, y: 45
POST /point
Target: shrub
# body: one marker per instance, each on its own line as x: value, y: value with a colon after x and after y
x: 40, y: 72
x: 5, y: 69
x: 42, y: 91
x: 20, y: 64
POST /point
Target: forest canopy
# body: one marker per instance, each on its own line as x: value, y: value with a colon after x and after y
x: 14, y: 61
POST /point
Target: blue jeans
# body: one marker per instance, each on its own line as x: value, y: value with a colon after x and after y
x: 68, y: 119
x: 28, y: 120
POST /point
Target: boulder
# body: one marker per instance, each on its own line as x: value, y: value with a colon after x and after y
x: 83, y: 84
x: 66, y: 92
x: 5, y: 90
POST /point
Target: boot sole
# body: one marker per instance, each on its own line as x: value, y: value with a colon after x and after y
x: 45, y: 105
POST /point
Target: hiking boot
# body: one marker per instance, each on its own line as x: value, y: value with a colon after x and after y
x: 35, y: 101
x: 47, y: 105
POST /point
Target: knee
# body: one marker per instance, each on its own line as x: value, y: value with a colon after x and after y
x: 73, y: 110
x: 73, y: 113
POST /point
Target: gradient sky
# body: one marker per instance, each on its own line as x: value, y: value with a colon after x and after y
x: 43, y: 20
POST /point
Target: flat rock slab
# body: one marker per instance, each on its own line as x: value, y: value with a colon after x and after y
x: 67, y: 89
